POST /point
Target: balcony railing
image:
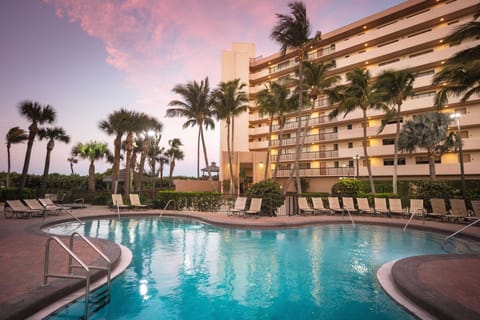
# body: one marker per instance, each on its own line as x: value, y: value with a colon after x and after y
x: 316, y: 155
x: 315, y: 172
x: 313, y: 138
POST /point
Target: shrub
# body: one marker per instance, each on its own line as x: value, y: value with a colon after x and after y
x: 200, y: 201
x: 426, y: 189
x: 271, y: 195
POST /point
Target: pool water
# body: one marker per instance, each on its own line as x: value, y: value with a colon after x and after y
x: 183, y: 269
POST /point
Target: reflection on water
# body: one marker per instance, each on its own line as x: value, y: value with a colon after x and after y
x: 188, y: 270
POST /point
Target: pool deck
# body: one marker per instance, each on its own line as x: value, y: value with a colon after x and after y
x: 445, y: 286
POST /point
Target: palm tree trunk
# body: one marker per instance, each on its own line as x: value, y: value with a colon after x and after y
x: 206, y: 158
x: 126, y: 187
x: 141, y: 165
x: 267, y: 161
x: 232, y: 184
x: 395, y: 151
x: 8, y: 166
x: 431, y: 164
x: 28, y: 154
x: 43, y: 187
x: 280, y: 145
x: 116, y: 163
x: 91, y: 176
x: 198, y: 155
x: 170, y: 175
x: 365, y: 153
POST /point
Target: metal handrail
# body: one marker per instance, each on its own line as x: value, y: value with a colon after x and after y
x: 165, y: 207
x: 103, y: 256
x: 47, y: 275
x: 351, y: 218
x: 464, y: 228
x: 422, y: 211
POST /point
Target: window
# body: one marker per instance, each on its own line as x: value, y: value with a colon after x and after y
x: 423, y: 95
x: 387, y: 142
x: 391, y: 121
x: 349, y: 126
x: 350, y: 163
x: 350, y: 145
x: 421, y: 53
x: 389, y: 162
x: 424, y: 73
x: 335, y: 164
x: 388, y: 62
x: 335, y: 146
x: 335, y: 129
x: 425, y: 160
x: 283, y: 65
x: 387, y: 43
x: 419, y: 33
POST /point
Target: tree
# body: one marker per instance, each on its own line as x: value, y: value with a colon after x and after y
x: 92, y: 151
x: 395, y: 86
x: 155, y: 154
x: 293, y: 32
x: 428, y: 131
x: 116, y: 125
x: 37, y: 114
x: 174, y: 153
x: 72, y: 161
x: 14, y: 135
x: 51, y: 134
x: 360, y: 93
x: 229, y: 100
x: 461, y: 74
x: 153, y: 128
x: 196, y: 107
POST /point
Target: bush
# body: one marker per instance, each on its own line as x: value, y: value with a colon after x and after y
x: 350, y: 187
x: 426, y: 189
x: 200, y: 201
x: 271, y: 195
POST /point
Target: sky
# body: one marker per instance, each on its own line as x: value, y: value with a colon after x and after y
x: 89, y: 58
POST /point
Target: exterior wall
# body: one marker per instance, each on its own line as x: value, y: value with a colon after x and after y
x: 408, y: 36
x: 196, y: 185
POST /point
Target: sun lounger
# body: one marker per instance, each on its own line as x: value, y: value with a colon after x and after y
x: 381, y: 206
x: 303, y: 206
x: 49, y: 204
x: 439, y: 209
x: 34, y: 204
x: 135, y: 201
x: 416, y: 207
x: 117, y: 201
x: 19, y: 210
x: 349, y: 205
x: 239, y: 206
x: 476, y: 210
x: 255, y: 207
x: 334, y: 205
x: 459, y: 210
x: 396, y: 207
x: 364, y: 206
x: 318, y: 206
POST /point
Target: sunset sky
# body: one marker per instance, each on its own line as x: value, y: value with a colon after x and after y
x: 90, y: 58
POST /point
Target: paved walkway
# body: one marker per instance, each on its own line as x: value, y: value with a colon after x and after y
x: 447, y: 286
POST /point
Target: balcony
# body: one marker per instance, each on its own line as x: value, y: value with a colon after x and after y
x: 317, y: 172
x: 316, y: 155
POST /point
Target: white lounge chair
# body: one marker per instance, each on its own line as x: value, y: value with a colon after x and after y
x: 303, y: 206
x: 15, y: 208
x: 135, y: 201
x: 334, y: 205
x: 239, y: 206
x: 439, y: 209
x: 349, y: 205
x: 381, y: 206
x: 459, y: 210
x: 364, y: 206
x: 48, y: 203
x: 416, y: 207
x: 117, y: 202
x: 34, y: 204
x: 318, y: 206
x: 255, y: 207
x: 396, y: 207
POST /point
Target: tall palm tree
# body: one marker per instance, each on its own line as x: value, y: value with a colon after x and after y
x: 92, y: 151
x: 155, y: 153
x: 396, y: 86
x: 137, y: 122
x: 293, y: 32
x: 72, y: 161
x: 173, y: 153
x: 153, y: 128
x: 14, y: 135
x: 428, y: 131
x: 196, y: 107
x: 359, y: 93
x: 229, y: 100
x: 51, y: 134
x: 461, y: 74
x: 37, y: 114
x: 116, y: 125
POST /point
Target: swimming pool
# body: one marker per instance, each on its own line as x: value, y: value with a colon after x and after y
x: 183, y: 269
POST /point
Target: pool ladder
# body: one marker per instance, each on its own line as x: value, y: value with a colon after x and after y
x: 104, y: 297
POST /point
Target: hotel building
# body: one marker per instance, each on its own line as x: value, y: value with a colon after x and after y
x: 407, y: 36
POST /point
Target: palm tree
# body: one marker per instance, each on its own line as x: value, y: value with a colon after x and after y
x: 116, y: 125
x: 430, y: 132
x: 293, y: 32
x: 155, y: 154
x: 196, y: 107
x: 174, y: 153
x: 51, y: 134
x: 72, y: 161
x: 92, y: 151
x: 137, y: 122
x: 14, y: 135
x: 359, y: 93
x: 396, y: 86
x: 153, y: 128
x: 461, y: 74
x: 229, y: 100
x: 37, y: 114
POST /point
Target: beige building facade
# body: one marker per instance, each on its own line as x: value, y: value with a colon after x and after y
x: 408, y: 36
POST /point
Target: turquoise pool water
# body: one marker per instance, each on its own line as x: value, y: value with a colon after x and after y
x: 183, y: 269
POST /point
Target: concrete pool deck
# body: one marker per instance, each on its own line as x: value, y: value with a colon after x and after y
x: 446, y: 286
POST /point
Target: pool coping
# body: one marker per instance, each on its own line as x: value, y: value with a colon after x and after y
x: 32, y: 303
